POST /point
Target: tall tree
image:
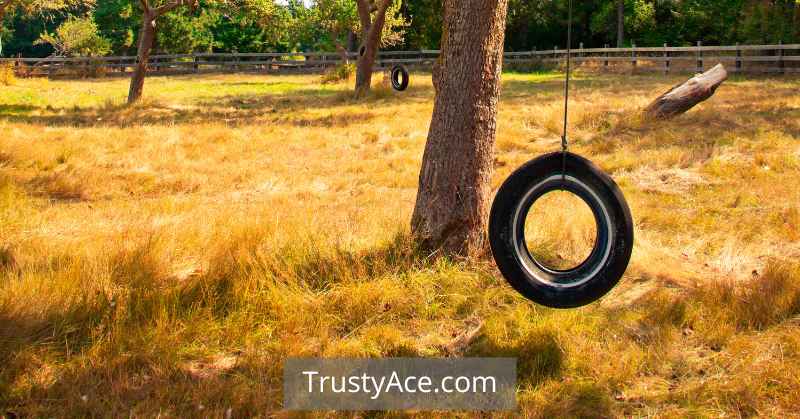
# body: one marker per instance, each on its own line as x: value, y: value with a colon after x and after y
x: 372, y: 16
x: 453, y: 200
x: 339, y: 18
x: 147, y: 36
x: 261, y: 10
x: 38, y: 6
x: 378, y: 23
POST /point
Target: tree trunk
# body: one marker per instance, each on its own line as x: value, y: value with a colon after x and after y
x: 371, y: 34
x: 364, y: 66
x: 146, y: 39
x: 620, y: 23
x: 454, y: 185
x: 685, y: 96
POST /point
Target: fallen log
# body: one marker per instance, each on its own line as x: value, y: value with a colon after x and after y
x: 685, y: 96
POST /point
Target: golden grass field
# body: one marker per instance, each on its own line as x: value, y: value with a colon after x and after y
x: 163, y: 259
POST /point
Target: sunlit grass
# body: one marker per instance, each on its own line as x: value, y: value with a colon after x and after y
x: 165, y: 258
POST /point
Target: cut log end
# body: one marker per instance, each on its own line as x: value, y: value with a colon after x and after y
x: 685, y: 96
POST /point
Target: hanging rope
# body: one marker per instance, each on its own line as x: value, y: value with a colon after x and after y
x: 564, y: 139
x: 613, y: 247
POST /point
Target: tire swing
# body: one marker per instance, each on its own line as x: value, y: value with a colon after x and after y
x: 399, y: 77
x: 561, y: 171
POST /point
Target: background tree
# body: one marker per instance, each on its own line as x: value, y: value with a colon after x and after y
x: 321, y: 25
x: 338, y: 20
x: 77, y: 37
x: 259, y: 11
x: 372, y: 15
x: 40, y: 7
x: 425, y: 23
x: 147, y: 35
x: 620, y: 23
x: 374, y: 23
x: 452, y: 205
x: 118, y: 21
x: 32, y: 6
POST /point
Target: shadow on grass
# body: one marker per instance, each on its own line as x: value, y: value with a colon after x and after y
x: 123, y: 353
x: 319, y: 269
x: 232, y: 110
x: 143, y: 289
x: 539, y: 355
x: 57, y: 187
x: 7, y: 109
x: 25, y: 339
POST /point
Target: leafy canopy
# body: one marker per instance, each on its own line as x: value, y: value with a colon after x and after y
x: 78, y: 36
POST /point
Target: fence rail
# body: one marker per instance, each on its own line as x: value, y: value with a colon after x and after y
x: 775, y: 59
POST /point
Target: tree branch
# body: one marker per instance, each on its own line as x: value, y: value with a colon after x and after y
x: 145, y: 6
x: 164, y: 8
x: 364, y: 15
x: 380, y: 17
x: 160, y: 10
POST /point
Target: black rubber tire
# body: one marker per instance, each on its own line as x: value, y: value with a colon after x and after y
x: 399, y: 78
x: 609, y: 259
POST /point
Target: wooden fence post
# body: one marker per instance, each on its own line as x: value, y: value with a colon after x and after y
x: 666, y: 59
x: 781, y: 64
x: 633, y: 56
x: 738, y: 59
x: 699, y: 57
x: 605, y: 62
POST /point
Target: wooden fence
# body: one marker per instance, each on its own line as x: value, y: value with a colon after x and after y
x: 772, y: 59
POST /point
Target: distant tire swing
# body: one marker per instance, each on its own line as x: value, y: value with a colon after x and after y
x: 399, y: 78
x: 609, y: 258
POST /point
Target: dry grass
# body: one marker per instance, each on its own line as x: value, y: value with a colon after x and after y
x: 7, y: 76
x: 165, y: 258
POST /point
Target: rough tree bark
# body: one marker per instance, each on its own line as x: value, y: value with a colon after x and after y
x: 620, y: 23
x: 453, y: 200
x: 685, y: 96
x: 370, y: 39
x: 147, y: 35
x: 146, y: 38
